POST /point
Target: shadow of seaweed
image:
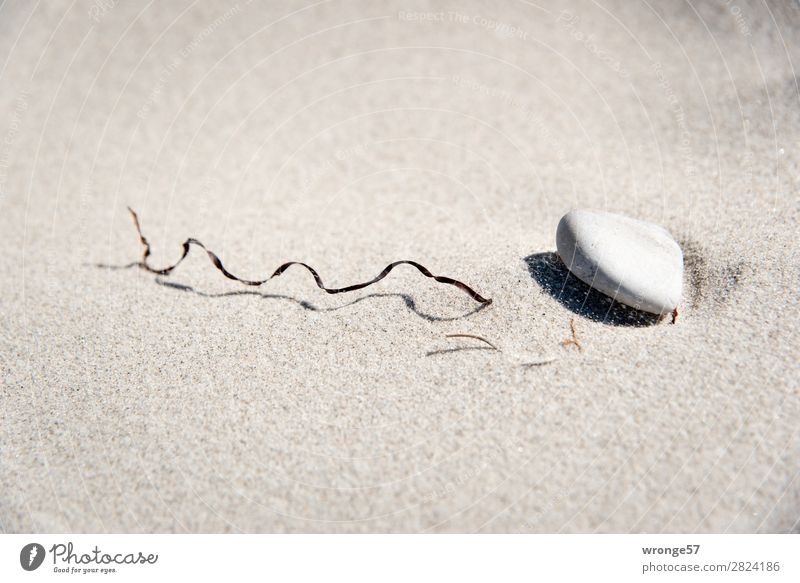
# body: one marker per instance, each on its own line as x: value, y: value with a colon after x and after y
x: 407, y: 300
x: 552, y: 275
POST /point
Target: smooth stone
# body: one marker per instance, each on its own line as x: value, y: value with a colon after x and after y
x: 635, y: 262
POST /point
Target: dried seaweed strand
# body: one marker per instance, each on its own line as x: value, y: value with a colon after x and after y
x: 482, y: 339
x: 218, y: 264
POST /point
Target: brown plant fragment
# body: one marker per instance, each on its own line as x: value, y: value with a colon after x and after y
x: 574, y: 340
x: 218, y: 264
x: 481, y: 338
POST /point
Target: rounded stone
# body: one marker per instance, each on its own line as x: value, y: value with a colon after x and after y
x: 634, y: 262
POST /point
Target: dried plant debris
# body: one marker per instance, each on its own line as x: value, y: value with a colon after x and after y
x: 538, y: 363
x: 574, y: 340
x: 473, y: 336
x: 218, y: 264
x: 487, y: 345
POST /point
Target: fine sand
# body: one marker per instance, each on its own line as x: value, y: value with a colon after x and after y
x: 349, y: 135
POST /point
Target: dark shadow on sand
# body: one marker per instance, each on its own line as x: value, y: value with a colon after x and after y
x: 552, y: 275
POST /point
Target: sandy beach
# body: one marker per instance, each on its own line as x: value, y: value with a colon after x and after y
x: 348, y: 135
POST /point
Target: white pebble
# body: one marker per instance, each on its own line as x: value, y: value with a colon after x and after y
x: 635, y: 262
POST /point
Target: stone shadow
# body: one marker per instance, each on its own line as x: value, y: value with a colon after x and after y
x: 553, y: 277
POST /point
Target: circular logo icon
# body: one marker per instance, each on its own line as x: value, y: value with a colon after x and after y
x: 31, y: 556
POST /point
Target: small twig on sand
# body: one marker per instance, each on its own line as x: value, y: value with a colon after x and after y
x: 489, y: 345
x: 675, y: 315
x: 539, y: 363
x: 473, y: 336
x: 574, y: 340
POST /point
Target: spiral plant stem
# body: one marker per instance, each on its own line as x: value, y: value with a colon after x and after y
x: 218, y: 264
